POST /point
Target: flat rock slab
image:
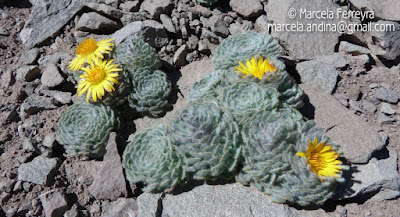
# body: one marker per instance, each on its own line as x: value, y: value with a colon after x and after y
x: 386, y: 9
x: 39, y: 171
x: 379, y: 178
x: 47, y: 18
x: 109, y: 182
x: 318, y: 73
x: 122, y: 207
x: 148, y: 204
x: 233, y: 200
x: 356, y: 137
x: 303, y: 45
x: 54, y: 203
x: 149, y: 31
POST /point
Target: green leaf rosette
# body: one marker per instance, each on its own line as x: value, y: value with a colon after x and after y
x: 150, y: 91
x: 134, y: 53
x: 207, y: 138
x: 84, y: 128
x: 151, y: 158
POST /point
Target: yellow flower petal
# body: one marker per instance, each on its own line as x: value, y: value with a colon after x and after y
x: 258, y: 68
x: 97, y: 78
x: 322, y: 159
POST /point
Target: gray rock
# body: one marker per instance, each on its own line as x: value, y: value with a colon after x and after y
x: 224, y: 200
x: 53, y: 58
x: 83, y: 171
x: 150, y: 31
x: 192, y: 42
x: 7, y: 79
x: 30, y: 57
x: 34, y: 104
x: 28, y: 146
x: 106, y: 9
x: 49, y: 140
x: 369, y: 106
x: 373, y: 85
x: 218, y: 26
x: 249, y: 8
x: 54, y: 203
x: 130, y: 6
x: 354, y: 105
x: 73, y: 212
x: 94, y: 22
x: 387, y: 10
x: 385, y: 43
x: 353, y: 92
x: 323, y: 43
x: 211, y: 36
x: 109, y: 183
x: 148, y: 204
x: 384, y: 119
x: 353, y: 49
x: 51, y: 77
x: 39, y: 171
x: 201, y: 10
x: 122, y: 207
x: 357, y: 138
x: 378, y: 178
x: 386, y: 109
x: 336, y: 60
x: 47, y: 18
x: 62, y: 97
x: 167, y: 22
x: 387, y: 95
x: 237, y: 28
x: 319, y: 73
x: 6, y: 184
x: 27, y: 73
x: 204, y: 46
x: 157, y: 7
x: 180, y: 56
x: 4, y: 32
x: 9, y: 116
x: 4, y: 197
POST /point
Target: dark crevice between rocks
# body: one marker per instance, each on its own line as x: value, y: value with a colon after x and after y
x: 159, y: 206
x: 389, y: 63
x: 16, y: 4
x: 381, y: 154
x: 308, y: 110
x: 351, y: 39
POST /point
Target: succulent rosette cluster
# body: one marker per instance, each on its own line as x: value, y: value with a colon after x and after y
x: 84, y: 128
x: 110, y: 81
x: 242, y: 121
x: 284, y: 155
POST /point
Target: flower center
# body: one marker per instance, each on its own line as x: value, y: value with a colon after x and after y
x: 96, y: 75
x: 86, y: 47
x: 316, y: 161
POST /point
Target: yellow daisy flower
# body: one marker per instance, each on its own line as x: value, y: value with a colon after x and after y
x: 88, y: 50
x: 257, y: 68
x: 99, y: 76
x: 322, y: 159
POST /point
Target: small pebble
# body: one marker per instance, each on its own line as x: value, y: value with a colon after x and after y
x: 387, y: 109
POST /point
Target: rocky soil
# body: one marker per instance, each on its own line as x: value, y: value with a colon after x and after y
x: 352, y: 82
